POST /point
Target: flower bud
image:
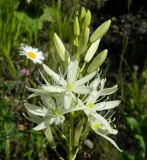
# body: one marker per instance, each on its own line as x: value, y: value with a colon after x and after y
x: 49, y: 136
x: 91, y: 51
x: 83, y: 13
x: 76, y: 26
x: 100, y: 31
x: 97, y: 61
x: 78, y: 132
x: 60, y: 47
x: 87, y: 20
x: 83, y: 41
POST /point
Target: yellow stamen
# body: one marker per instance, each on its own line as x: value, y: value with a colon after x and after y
x: 90, y: 105
x: 70, y: 86
x: 31, y: 55
x: 56, y: 112
x: 97, y: 125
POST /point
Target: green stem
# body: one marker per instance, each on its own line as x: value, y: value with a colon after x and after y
x: 83, y: 67
x: 11, y: 66
x: 58, y: 155
x: 7, y: 149
x: 70, y: 151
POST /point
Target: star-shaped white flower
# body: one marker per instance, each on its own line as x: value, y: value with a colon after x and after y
x: 72, y: 85
x: 102, y: 127
x: 94, y: 106
x: 51, y: 111
x: 92, y: 102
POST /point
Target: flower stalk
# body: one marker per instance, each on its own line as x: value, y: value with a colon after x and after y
x: 78, y: 91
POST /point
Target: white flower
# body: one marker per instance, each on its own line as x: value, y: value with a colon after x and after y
x: 50, y: 112
x: 102, y: 127
x: 31, y: 53
x: 93, y: 101
x: 69, y: 86
x: 94, y: 106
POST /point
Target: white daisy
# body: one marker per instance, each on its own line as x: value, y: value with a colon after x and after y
x: 31, y: 53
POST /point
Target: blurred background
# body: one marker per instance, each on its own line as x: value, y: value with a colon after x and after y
x: 33, y: 22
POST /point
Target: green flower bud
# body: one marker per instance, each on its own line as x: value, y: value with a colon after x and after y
x: 97, y: 61
x: 83, y: 41
x: 76, y: 41
x: 76, y: 26
x: 83, y: 13
x: 49, y: 136
x: 91, y: 51
x: 60, y: 47
x: 78, y: 132
x: 100, y: 31
x: 87, y: 20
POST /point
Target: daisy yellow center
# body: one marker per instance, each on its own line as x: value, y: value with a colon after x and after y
x: 31, y: 55
x: 70, y: 86
x: 97, y: 125
x: 90, y: 105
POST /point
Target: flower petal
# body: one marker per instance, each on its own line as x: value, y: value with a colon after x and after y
x: 33, y: 118
x: 101, y: 120
x: 36, y: 110
x: 42, y: 125
x: 106, y: 105
x: 58, y: 78
x: 93, y: 96
x: 37, y: 91
x: 82, y: 89
x: 108, y: 91
x: 85, y: 79
x: 48, y: 102
x: 95, y: 83
x: 67, y: 100
x: 109, y: 139
x: 54, y: 89
x: 72, y: 71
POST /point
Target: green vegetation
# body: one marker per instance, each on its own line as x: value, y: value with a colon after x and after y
x: 34, y: 23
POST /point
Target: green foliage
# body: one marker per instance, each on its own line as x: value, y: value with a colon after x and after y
x: 135, y: 115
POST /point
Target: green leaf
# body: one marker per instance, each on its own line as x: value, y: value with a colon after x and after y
x: 133, y: 124
x: 141, y: 146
